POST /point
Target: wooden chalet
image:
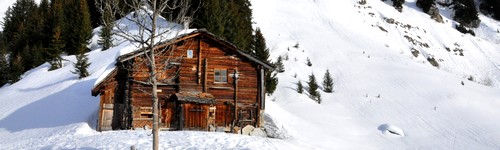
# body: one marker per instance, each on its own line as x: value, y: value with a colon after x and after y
x: 205, y: 83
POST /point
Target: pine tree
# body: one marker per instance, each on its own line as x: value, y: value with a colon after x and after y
x: 17, y: 26
x: 490, y: 7
x: 262, y: 52
x: 81, y: 65
x: 4, y: 68
x: 425, y: 4
x: 78, y: 29
x: 300, y: 87
x: 106, y: 35
x: 279, y: 65
x: 231, y: 20
x: 466, y: 13
x: 95, y: 15
x: 398, y: 4
x: 271, y: 82
x: 16, y: 69
x: 55, y: 49
x: 327, y: 82
x: 212, y: 15
x: 313, y: 87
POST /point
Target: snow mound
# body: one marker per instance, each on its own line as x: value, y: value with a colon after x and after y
x: 389, y: 129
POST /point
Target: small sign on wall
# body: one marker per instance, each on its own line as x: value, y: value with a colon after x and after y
x: 189, y: 53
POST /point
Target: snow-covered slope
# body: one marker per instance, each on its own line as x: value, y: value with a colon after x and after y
x: 380, y: 86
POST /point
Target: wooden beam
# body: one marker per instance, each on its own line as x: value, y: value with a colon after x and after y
x: 236, y: 96
x: 198, y: 72
x: 205, y: 69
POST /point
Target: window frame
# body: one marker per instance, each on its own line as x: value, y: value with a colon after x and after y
x: 219, y: 78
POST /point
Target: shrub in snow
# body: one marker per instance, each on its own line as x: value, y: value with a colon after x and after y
x: 300, y: 88
x: 433, y: 62
x: 464, y: 30
x: 296, y: 45
x: 429, y: 7
x: 309, y: 62
x: 327, y: 82
x: 279, y: 65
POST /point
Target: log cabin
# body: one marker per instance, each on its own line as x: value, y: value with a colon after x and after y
x: 204, y: 83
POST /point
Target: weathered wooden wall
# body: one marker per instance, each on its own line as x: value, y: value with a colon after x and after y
x: 196, y: 74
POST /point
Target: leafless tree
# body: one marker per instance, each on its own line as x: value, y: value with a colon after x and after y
x: 142, y: 28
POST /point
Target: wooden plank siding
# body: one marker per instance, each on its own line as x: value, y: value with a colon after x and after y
x: 196, y: 74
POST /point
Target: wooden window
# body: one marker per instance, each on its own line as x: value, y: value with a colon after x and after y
x: 220, y: 76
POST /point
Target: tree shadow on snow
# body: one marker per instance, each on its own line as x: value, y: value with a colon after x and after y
x: 71, y: 105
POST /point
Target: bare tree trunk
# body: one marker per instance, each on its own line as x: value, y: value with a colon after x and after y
x: 146, y: 40
x: 152, y: 71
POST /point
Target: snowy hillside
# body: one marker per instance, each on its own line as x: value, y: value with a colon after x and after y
x: 379, y: 83
x: 387, y: 96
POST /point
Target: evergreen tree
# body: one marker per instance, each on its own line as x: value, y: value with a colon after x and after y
x: 425, y: 4
x: 16, y: 24
x: 212, y: 15
x: 490, y: 7
x: 271, y: 82
x: 81, y: 65
x: 262, y: 52
x: 309, y: 62
x: 106, y: 35
x: 95, y: 15
x: 313, y: 87
x: 466, y: 13
x: 231, y: 20
x: 279, y: 65
x: 4, y: 68
x: 398, y: 4
x: 78, y: 29
x: 16, y: 69
x: 327, y: 82
x: 55, y: 49
x: 300, y: 87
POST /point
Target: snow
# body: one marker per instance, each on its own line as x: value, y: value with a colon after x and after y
x: 380, y: 87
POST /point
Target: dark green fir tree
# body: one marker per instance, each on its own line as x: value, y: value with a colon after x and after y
x: 313, y: 88
x: 327, y: 82
x: 300, y: 87
x: 81, y: 65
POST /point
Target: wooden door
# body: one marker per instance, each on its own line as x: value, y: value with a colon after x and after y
x: 167, y: 115
x: 195, y: 116
x: 107, y: 119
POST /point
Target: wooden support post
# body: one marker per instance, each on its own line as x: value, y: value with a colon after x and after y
x: 199, y: 61
x: 205, y: 70
x: 235, y: 77
x: 262, y: 89
x: 262, y: 95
